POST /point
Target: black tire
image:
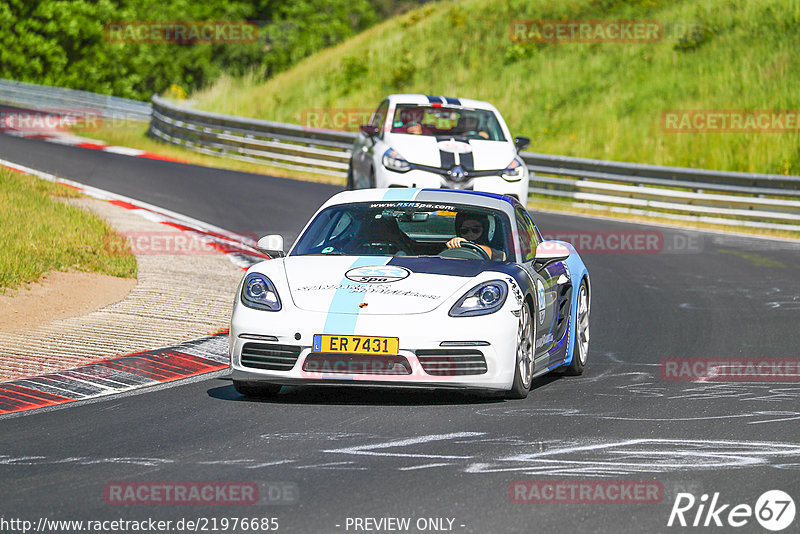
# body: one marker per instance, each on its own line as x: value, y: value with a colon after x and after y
x: 256, y: 390
x: 521, y: 384
x: 580, y: 352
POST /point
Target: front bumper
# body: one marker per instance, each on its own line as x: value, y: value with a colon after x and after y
x: 429, y: 180
x: 420, y: 335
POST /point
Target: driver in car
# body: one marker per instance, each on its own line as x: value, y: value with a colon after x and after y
x: 474, y: 227
x: 410, y: 121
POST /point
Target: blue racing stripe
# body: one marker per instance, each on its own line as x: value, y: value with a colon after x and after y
x: 343, y: 310
x: 453, y: 101
x: 400, y: 193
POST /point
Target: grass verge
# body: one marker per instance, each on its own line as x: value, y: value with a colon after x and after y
x: 40, y: 234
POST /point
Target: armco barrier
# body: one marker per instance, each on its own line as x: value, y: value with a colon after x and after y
x: 40, y: 97
x: 735, y: 198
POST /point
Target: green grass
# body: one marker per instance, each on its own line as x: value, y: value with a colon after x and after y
x: 39, y: 233
x: 600, y: 100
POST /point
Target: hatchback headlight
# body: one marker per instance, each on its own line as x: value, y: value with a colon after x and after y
x: 482, y: 299
x: 514, y: 171
x: 393, y: 161
x: 259, y: 292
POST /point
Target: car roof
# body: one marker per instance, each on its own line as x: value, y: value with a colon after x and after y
x: 438, y: 196
x: 426, y: 100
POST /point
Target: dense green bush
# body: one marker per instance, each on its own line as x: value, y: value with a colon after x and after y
x: 64, y: 42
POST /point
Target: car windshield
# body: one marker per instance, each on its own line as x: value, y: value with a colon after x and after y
x: 445, y: 121
x: 405, y: 229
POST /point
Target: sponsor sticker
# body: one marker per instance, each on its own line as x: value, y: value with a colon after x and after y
x: 377, y: 274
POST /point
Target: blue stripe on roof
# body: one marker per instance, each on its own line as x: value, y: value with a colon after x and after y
x: 400, y: 194
x: 505, y: 198
x: 453, y: 101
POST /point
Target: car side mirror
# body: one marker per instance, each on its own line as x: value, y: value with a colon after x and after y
x: 522, y: 143
x: 369, y: 130
x: 548, y: 252
x: 271, y: 245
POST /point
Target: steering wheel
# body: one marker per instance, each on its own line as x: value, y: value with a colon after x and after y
x: 471, y: 248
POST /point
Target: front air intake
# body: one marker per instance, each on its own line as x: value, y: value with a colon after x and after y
x: 270, y: 356
x: 452, y: 362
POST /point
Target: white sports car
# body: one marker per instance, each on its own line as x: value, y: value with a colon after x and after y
x: 436, y: 141
x: 412, y: 287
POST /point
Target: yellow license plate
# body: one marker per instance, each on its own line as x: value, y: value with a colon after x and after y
x: 356, y: 344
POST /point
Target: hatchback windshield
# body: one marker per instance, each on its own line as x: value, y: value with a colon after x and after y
x: 406, y: 229
x: 444, y: 121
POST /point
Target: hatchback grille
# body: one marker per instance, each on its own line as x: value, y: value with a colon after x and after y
x: 270, y: 356
x: 452, y: 362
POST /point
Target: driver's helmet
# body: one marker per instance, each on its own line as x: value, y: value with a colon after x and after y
x: 468, y: 217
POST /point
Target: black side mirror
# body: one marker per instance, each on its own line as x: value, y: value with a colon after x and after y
x: 369, y: 130
x: 521, y: 143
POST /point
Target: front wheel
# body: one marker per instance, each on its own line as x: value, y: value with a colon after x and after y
x: 523, y: 368
x: 581, y: 340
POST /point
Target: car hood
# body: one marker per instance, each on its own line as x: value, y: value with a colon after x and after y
x: 377, y: 285
x: 427, y: 150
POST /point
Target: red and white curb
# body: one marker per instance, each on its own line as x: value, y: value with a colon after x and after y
x: 239, y: 249
x: 116, y: 375
x: 138, y: 370
x: 67, y: 139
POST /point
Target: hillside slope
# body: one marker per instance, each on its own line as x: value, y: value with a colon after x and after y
x: 601, y: 100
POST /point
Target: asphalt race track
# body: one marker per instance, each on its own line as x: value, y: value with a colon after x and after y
x: 337, y: 453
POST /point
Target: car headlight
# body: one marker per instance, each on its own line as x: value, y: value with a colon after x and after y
x: 393, y: 161
x: 259, y: 292
x: 482, y: 299
x: 514, y: 171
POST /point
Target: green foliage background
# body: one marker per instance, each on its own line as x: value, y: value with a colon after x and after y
x: 63, y: 42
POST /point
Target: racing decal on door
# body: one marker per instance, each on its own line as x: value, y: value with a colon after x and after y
x: 541, y: 299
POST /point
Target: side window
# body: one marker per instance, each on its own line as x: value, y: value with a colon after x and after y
x: 527, y: 235
x: 379, y: 117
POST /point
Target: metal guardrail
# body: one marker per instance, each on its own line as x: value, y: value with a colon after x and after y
x: 742, y: 199
x: 44, y: 97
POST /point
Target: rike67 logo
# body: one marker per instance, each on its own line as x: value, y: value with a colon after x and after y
x: 774, y: 510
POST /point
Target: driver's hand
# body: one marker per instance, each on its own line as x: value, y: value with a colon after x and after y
x: 455, y: 242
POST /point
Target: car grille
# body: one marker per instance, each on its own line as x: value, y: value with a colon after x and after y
x: 452, y: 362
x: 270, y: 356
x: 322, y: 362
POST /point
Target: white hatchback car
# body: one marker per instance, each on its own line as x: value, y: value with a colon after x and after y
x: 438, y: 142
